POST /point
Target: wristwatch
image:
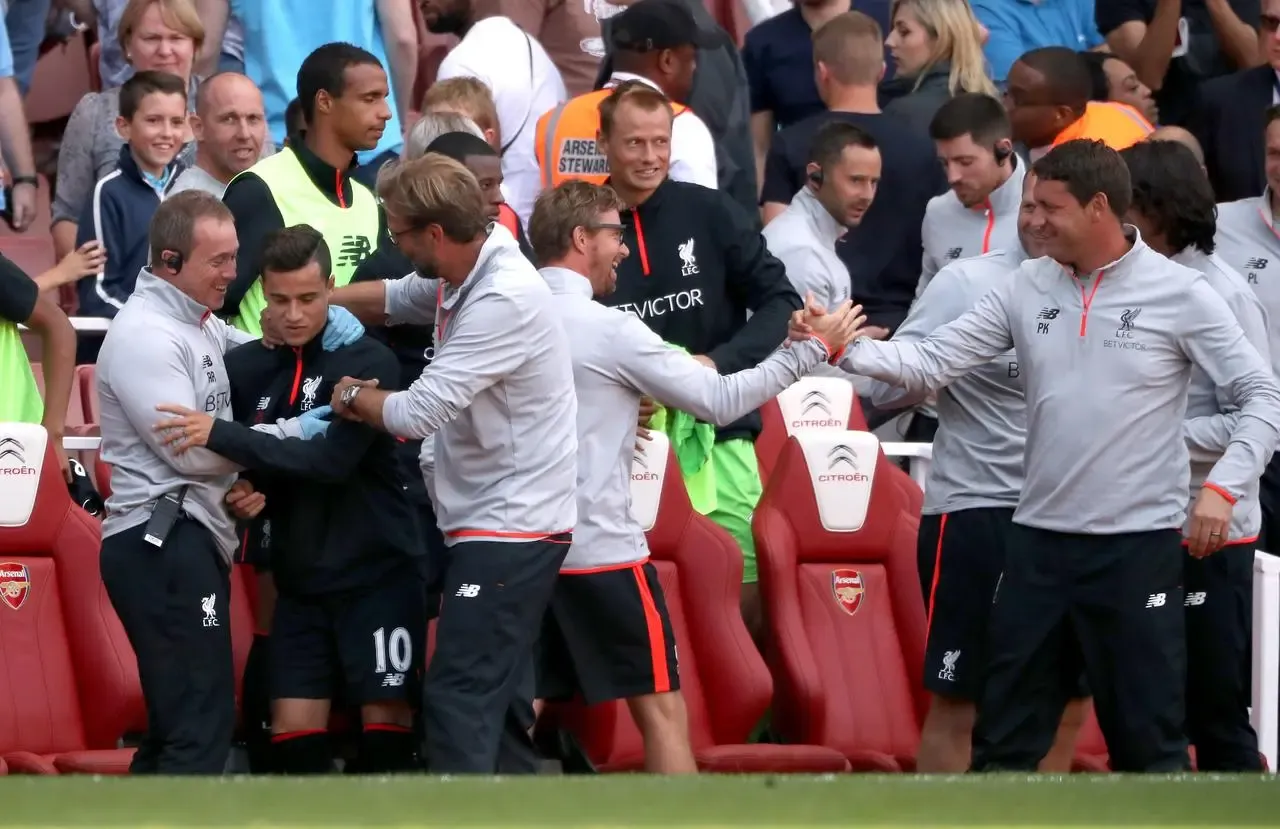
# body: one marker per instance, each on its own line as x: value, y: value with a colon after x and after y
x: 32, y: 180
x: 349, y: 395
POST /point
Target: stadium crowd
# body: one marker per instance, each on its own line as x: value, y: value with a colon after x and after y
x: 389, y: 328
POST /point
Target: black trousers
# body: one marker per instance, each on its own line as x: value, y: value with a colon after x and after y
x: 478, y: 694
x: 173, y: 603
x: 1112, y: 604
x: 1219, y: 652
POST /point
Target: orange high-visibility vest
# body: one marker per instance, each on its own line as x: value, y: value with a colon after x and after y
x: 508, y: 219
x: 1117, y: 125
x: 565, y: 141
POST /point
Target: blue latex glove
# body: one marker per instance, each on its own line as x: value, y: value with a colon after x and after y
x: 315, y: 422
x: 343, y: 329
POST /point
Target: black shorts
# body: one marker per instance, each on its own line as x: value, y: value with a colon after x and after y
x: 361, y: 647
x: 607, y: 635
x: 960, y: 557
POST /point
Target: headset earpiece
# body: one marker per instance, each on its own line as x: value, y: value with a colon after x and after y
x: 816, y: 177
x: 173, y: 261
x: 1002, y: 153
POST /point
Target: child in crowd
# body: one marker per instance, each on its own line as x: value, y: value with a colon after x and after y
x: 153, y: 123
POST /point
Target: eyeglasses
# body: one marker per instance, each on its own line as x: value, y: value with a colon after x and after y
x: 391, y: 234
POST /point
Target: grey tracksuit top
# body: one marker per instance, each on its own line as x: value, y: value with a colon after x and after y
x: 1105, y: 359
x: 1247, y: 242
x: 164, y: 347
x: 982, y: 415
x: 952, y: 231
x: 1211, y: 417
x: 804, y: 237
x: 497, y: 400
x: 616, y: 360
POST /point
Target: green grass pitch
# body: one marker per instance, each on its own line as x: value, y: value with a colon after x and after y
x: 624, y: 801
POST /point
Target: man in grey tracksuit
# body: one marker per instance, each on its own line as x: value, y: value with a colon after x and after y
x: 1173, y: 207
x: 169, y: 579
x: 498, y: 404
x: 974, y: 482
x: 601, y: 638
x: 1106, y: 337
x: 1247, y: 241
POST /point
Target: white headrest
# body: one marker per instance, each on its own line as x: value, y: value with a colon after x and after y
x: 22, y: 448
x: 842, y: 469
x: 816, y: 403
x: 648, y: 473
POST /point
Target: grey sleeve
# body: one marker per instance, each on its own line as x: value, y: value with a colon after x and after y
x: 1212, y: 338
x: 76, y: 173
x: 1208, y: 436
x: 487, y: 343
x: 929, y: 266
x: 674, y: 378
x: 942, y: 301
x: 411, y: 300
x: 155, y: 371
x: 980, y: 334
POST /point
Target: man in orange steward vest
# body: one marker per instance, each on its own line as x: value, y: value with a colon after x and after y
x: 1048, y: 95
x: 657, y: 43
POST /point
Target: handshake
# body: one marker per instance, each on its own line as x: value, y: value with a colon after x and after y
x: 835, y: 328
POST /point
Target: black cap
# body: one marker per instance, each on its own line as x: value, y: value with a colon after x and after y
x: 656, y: 24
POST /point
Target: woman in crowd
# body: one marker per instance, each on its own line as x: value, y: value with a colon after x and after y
x: 937, y: 50
x: 158, y: 35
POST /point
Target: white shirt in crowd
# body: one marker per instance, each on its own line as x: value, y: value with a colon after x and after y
x: 525, y: 84
x: 693, y: 150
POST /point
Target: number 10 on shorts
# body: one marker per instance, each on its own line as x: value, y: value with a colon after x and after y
x: 398, y: 647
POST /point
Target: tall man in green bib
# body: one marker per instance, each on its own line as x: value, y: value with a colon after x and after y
x: 702, y: 279
x: 20, y: 401
x: 343, y: 91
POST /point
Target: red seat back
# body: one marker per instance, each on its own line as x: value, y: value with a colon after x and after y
x: 700, y: 569
x: 87, y: 388
x: 836, y: 544
x: 39, y: 699
x: 76, y: 417
x: 811, y: 403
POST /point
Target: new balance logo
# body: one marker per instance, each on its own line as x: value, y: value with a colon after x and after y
x: 468, y: 591
x: 954, y: 253
x: 1156, y: 600
x: 1256, y: 264
x: 393, y: 680
x: 1195, y: 599
x: 263, y: 403
x: 1048, y: 314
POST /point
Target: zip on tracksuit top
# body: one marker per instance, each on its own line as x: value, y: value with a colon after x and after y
x: 340, y: 519
x: 1105, y: 359
x: 616, y: 360
x: 498, y: 398
x: 982, y: 415
x: 952, y: 231
x: 698, y: 267
x: 119, y: 217
x: 164, y: 347
x: 1211, y: 418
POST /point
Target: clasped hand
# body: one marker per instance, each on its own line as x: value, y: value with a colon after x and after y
x: 836, y: 328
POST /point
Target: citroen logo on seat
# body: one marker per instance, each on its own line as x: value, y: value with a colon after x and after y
x: 841, y: 454
x: 11, y: 448
x: 815, y: 400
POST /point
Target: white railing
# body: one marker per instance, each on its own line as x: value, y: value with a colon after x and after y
x: 85, y: 325
x: 1265, y: 713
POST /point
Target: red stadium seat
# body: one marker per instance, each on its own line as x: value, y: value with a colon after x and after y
x: 77, y: 421
x: 60, y: 642
x: 725, y: 682
x: 4, y: 769
x: 87, y: 383
x: 811, y: 403
x: 1091, y: 747
x: 836, y: 545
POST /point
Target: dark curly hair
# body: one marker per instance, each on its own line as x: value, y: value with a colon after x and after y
x: 1171, y: 190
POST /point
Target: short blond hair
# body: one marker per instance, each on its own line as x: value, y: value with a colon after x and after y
x: 851, y: 46
x: 434, y: 190
x: 179, y: 15
x: 466, y: 96
x: 559, y: 212
x: 637, y: 93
